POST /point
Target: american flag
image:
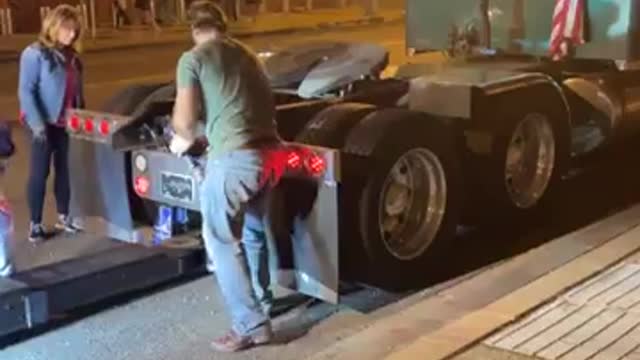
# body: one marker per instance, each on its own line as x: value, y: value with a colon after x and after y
x: 568, y: 25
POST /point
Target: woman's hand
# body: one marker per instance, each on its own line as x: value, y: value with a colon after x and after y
x: 39, y: 134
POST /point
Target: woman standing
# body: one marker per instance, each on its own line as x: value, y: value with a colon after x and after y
x: 50, y: 83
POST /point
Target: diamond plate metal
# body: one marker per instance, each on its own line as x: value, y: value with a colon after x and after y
x: 598, y: 320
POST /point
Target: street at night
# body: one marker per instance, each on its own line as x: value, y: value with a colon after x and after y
x: 109, y: 71
x: 485, y: 297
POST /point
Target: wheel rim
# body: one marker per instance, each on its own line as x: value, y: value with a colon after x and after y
x: 530, y: 161
x: 412, y: 204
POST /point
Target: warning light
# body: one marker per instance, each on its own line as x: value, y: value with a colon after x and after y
x: 75, y: 123
x: 294, y: 160
x: 141, y: 185
x: 105, y: 127
x: 316, y: 165
x: 88, y: 125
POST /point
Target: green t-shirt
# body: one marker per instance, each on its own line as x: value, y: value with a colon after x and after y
x: 237, y: 98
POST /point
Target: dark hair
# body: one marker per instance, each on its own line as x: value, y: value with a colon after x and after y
x: 205, y: 14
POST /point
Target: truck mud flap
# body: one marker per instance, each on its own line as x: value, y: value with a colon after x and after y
x: 304, y: 238
x: 100, y: 186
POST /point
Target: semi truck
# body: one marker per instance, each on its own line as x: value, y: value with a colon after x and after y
x: 400, y: 162
x: 384, y: 169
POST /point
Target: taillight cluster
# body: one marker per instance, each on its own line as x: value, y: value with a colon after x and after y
x: 89, y: 125
x: 141, y: 185
x: 312, y: 163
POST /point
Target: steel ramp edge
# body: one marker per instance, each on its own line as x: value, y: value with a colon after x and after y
x: 30, y: 298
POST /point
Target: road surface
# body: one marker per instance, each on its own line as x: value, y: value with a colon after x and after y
x: 177, y: 322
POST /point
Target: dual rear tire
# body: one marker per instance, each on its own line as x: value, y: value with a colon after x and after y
x: 403, y: 186
x: 529, y: 154
x: 401, y: 194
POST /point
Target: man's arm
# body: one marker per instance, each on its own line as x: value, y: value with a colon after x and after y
x: 188, y: 101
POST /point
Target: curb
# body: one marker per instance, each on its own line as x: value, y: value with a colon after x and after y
x: 11, y: 56
x: 460, y: 335
x: 451, y: 321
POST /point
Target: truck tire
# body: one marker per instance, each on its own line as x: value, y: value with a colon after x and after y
x: 409, y: 207
x: 330, y: 127
x: 529, y: 155
x: 126, y: 102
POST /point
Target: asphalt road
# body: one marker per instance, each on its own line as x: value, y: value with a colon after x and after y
x: 177, y: 322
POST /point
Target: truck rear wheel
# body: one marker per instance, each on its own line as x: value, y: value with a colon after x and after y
x: 530, y: 152
x: 331, y: 126
x: 410, y: 205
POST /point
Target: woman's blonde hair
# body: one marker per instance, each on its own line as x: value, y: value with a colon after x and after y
x: 54, y: 20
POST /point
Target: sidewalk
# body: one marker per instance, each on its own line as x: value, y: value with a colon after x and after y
x: 576, y: 297
x: 271, y: 23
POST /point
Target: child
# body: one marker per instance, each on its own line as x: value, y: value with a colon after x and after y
x: 6, y: 216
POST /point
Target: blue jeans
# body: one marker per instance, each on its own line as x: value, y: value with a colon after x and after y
x: 233, y: 198
x: 56, y: 146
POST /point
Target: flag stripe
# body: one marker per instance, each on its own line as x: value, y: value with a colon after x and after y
x: 568, y: 23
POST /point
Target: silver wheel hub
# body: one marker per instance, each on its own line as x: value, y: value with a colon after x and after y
x: 412, y: 204
x: 530, y: 160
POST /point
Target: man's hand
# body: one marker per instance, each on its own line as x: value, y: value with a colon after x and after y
x: 179, y: 145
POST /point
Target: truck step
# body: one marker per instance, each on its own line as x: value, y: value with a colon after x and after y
x: 36, y: 297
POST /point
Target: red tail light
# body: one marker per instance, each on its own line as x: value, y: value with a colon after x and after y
x: 75, y: 123
x: 305, y: 160
x: 315, y: 165
x: 88, y: 125
x: 105, y: 127
x: 294, y: 160
x: 141, y: 185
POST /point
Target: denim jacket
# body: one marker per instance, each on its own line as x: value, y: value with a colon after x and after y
x: 42, y: 85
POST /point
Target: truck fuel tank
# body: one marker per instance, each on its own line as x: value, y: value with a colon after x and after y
x: 523, y: 26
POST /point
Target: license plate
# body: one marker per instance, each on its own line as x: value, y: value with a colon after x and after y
x: 177, y: 187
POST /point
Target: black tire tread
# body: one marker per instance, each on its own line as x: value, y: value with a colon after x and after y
x: 330, y: 127
x: 382, y: 136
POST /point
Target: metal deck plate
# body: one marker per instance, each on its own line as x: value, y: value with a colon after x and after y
x: 599, y: 320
